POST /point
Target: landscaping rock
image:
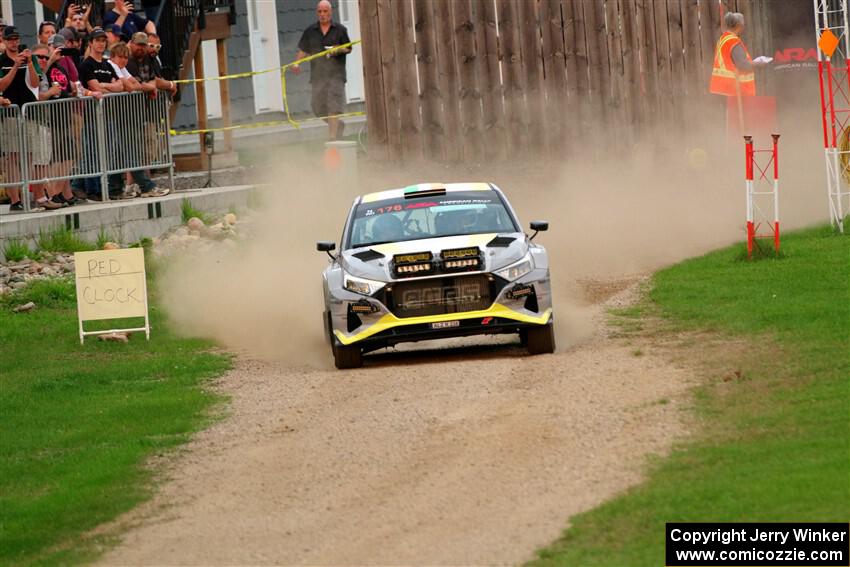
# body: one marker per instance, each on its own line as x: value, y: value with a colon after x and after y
x: 24, y: 308
x: 230, y: 219
x: 116, y: 337
x: 195, y: 224
x: 111, y: 246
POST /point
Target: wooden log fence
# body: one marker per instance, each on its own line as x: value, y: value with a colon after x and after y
x: 479, y: 80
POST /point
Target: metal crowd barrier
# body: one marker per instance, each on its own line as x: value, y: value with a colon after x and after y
x: 84, y: 138
x: 11, y: 134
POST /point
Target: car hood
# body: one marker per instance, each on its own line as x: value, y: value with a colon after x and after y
x: 510, y: 248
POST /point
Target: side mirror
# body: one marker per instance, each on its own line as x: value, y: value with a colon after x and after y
x: 538, y: 226
x: 326, y: 246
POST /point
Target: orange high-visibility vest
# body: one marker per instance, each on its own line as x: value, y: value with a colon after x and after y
x: 725, y: 74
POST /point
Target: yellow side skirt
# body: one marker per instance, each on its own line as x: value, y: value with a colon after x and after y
x: 389, y: 321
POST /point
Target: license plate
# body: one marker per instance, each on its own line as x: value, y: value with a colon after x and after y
x: 445, y: 324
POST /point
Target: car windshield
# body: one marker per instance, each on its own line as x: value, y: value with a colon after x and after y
x: 455, y: 213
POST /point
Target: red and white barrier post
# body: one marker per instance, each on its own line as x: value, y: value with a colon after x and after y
x: 775, y: 192
x: 749, y: 157
x: 753, y: 208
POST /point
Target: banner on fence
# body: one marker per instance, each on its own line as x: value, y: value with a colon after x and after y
x: 111, y: 285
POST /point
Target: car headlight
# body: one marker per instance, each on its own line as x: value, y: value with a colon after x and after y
x: 516, y: 271
x: 361, y: 285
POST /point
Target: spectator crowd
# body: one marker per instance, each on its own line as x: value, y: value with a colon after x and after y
x: 79, y: 58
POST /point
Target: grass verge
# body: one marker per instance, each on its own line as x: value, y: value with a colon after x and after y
x: 188, y: 211
x: 62, y: 239
x: 79, y: 422
x: 775, y: 438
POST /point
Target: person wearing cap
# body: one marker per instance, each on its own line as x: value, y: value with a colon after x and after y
x: 72, y: 56
x: 18, y: 83
x: 146, y: 68
x: 95, y: 72
x: 130, y: 23
x: 58, y: 49
x: 148, y: 74
x: 97, y: 75
x: 43, y: 129
x: 113, y: 35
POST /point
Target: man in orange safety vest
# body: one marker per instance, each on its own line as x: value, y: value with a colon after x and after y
x: 732, y: 74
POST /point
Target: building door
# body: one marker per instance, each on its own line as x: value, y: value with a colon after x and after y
x: 349, y: 16
x: 262, y: 23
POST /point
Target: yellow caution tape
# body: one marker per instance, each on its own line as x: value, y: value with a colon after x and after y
x: 262, y: 124
x: 282, y: 68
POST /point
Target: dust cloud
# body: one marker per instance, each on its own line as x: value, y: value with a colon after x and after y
x: 614, y: 214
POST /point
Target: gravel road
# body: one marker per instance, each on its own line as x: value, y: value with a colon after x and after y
x: 467, y: 453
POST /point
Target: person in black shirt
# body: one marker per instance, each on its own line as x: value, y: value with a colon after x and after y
x: 98, y: 75
x: 18, y: 77
x: 327, y: 74
x: 18, y: 80
x: 95, y: 72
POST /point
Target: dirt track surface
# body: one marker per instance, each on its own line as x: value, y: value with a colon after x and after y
x: 466, y: 455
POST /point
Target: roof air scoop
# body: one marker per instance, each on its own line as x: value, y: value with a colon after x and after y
x: 424, y: 190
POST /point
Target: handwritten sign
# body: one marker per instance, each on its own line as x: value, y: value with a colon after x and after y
x: 111, y: 285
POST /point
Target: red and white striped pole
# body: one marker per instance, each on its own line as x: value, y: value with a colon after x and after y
x: 751, y: 231
x: 776, y: 192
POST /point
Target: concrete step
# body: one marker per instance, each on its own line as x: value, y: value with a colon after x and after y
x: 127, y: 221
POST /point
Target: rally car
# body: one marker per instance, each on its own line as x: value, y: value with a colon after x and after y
x: 432, y: 261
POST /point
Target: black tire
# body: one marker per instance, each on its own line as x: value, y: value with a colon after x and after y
x: 347, y: 356
x: 541, y: 340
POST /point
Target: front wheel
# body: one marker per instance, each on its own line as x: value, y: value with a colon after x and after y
x: 540, y: 340
x: 347, y: 356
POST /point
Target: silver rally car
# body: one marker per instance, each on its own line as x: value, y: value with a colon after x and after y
x: 432, y: 261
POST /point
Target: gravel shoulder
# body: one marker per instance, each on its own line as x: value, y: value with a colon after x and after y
x: 467, y: 453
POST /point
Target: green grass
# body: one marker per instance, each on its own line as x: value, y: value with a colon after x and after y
x: 775, y: 441
x: 103, y: 236
x: 188, y: 211
x: 62, y: 239
x: 16, y: 250
x: 79, y: 422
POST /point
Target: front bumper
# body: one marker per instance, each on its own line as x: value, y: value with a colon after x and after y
x: 383, y: 328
